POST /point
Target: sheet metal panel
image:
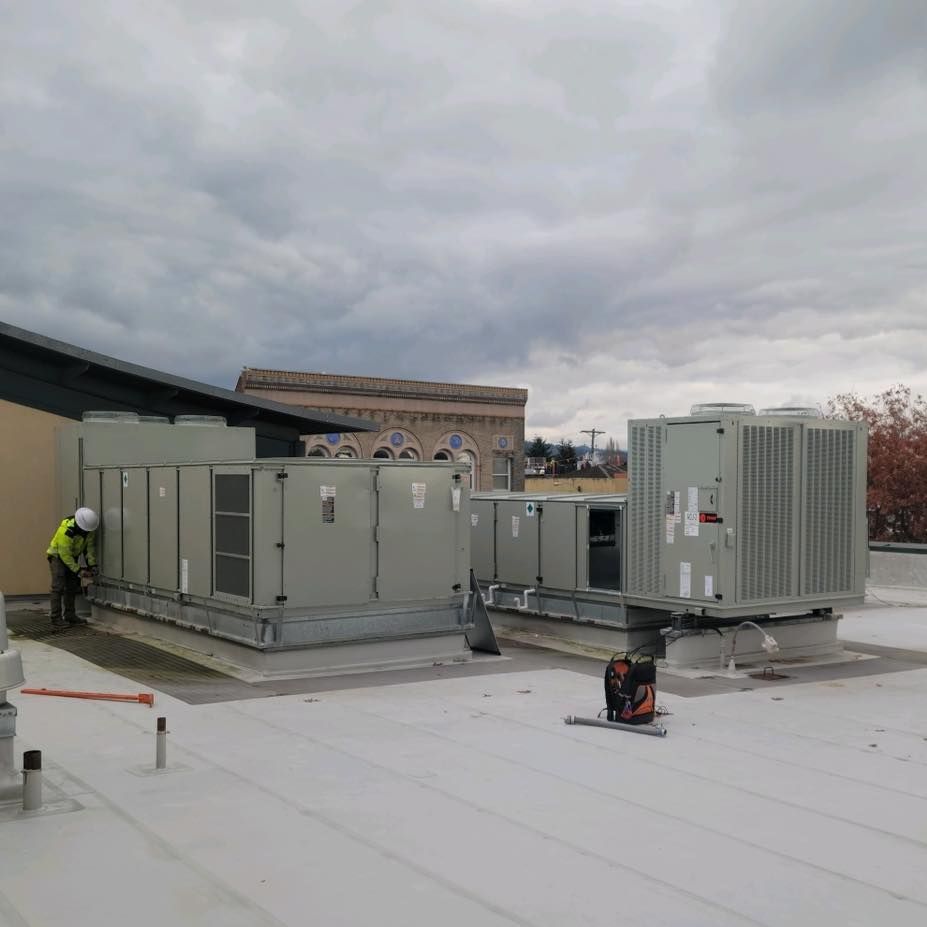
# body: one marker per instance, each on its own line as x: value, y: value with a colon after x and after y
x: 517, y: 535
x: 162, y: 522
x: 91, y: 492
x: 194, y: 491
x: 267, y: 533
x: 483, y: 538
x: 135, y: 525
x: 122, y: 445
x: 558, y: 543
x: 111, y: 520
x: 462, y: 562
x: 691, y: 464
x: 329, y: 558
x: 417, y: 530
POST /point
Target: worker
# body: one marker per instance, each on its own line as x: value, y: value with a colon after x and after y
x: 76, y: 536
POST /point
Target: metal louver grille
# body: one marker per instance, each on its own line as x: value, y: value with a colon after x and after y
x: 232, y: 526
x: 645, y: 505
x: 767, y: 475
x: 827, y: 565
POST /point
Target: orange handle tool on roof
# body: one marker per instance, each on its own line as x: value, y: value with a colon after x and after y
x: 143, y: 698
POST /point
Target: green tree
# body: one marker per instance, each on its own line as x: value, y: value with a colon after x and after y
x: 897, y: 489
x: 538, y: 448
x: 566, y: 456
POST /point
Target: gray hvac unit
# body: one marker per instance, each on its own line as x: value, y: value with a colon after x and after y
x: 566, y: 549
x: 738, y: 514
x: 274, y: 554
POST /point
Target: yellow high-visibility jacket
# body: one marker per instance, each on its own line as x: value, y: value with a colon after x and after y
x: 70, y: 542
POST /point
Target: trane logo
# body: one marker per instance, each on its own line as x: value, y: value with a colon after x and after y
x: 710, y: 517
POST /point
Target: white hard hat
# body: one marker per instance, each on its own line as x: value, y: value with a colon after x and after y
x: 87, y: 519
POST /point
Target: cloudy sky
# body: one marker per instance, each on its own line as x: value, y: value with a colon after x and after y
x: 624, y: 206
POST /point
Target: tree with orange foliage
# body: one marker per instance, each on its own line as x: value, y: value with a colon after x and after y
x: 897, y: 496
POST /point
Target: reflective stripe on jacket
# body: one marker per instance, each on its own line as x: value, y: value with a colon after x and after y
x: 70, y: 542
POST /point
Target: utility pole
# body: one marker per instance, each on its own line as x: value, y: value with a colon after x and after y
x: 592, y: 432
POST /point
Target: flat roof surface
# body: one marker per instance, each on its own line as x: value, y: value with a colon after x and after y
x: 465, y: 800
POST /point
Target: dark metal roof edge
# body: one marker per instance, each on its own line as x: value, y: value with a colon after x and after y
x: 285, y: 414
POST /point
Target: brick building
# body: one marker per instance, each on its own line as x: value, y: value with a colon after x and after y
x: 482, y: 425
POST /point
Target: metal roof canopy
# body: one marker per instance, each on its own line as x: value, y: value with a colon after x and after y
x: 66, y: 380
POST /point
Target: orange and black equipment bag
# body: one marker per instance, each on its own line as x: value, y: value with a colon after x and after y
x: 631, y: 688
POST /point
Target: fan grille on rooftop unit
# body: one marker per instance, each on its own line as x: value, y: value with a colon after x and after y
x: 722, y: 408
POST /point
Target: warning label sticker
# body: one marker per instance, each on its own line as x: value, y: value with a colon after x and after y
x: 691, y: 528
x: 328, y: 504
x: 418, y: 495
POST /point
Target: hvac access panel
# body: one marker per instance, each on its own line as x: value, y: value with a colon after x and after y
x: 516, y: 542
x: 692, y: 541
x: 418, y: 555
x: 328, y: 557
x: 558, y: 543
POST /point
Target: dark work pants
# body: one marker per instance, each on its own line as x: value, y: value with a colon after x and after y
x: 65, y: 585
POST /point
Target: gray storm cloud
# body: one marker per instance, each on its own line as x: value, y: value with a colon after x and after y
x: 625, y: 208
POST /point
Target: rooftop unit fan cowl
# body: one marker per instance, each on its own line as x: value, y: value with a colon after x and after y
x: 722, y: 408
x: 792, y: 411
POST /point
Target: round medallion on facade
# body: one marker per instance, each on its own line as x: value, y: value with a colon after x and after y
x: 456, y: 442
x: 333, y: 438
x: 503, y: 443
x: 396, y: 439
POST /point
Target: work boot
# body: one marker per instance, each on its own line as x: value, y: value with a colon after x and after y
x: 75, y: 620
x: 58, y: 624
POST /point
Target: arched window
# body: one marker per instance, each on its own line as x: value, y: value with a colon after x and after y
x: 346, y: 453
x: 398, y: 443
x: 318, y: 450
x: 468, y: 458
x: 461, y: 447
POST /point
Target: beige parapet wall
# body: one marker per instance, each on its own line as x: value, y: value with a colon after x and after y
x: 27, y: 497
x: 897, y: 568
x: 576, y: 484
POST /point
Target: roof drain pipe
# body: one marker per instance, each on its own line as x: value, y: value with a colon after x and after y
x: 490, y: 597
x: 11, y: 677
x: 523, y: 606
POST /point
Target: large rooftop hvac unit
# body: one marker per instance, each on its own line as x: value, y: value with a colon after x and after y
x: 285, y: 566
x: 733, y: 514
